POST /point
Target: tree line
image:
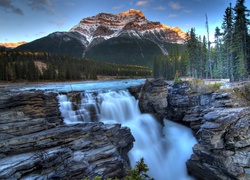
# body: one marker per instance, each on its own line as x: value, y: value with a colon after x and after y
x: 37, y: 66
x: 227, y: 57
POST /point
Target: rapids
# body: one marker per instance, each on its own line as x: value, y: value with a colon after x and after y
x: 165, y: 150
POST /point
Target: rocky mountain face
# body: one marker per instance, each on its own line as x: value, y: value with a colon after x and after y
x: 219, y: 120
x: 35, y: 144
x: 131, y: 23
x: 109, y: 37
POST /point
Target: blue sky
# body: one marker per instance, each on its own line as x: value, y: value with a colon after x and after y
x: 27, y: 20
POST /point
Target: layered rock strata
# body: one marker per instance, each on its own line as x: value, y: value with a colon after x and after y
x: 35, y: 144
x: 219, y: 120
x: 152, y: 97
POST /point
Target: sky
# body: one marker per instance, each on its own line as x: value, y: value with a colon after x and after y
x: 27, y: 20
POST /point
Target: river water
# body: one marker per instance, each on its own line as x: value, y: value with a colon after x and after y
x: 165, y: 149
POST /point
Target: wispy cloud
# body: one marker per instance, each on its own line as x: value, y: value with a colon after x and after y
x: 160, y: 8
x: 41, y: 33
x: 187, y: 11
x: 60, y: 21
x: 9, y: 7
x: 41, y: 5
x: 173, y: 15
x: 188, y: 25
x: 142, y: 3
x: 118, y: 7
x: 178, y: 6
x: 175, y: 5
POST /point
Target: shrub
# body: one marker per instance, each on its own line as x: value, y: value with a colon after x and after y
x: 177, y: 78
x: 139, y: 172
x: 243, y: 91
x: 199, y: 86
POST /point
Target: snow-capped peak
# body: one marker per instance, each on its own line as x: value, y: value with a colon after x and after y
x: 104, y: 26
x: 132, y: 12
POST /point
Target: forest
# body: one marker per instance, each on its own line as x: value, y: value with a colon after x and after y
x: 40, y: 66
x: 228, y: 57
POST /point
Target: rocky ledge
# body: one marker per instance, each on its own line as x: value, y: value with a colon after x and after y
x: 35, y: 144
x: 219, y: 120
x: 152, y: 97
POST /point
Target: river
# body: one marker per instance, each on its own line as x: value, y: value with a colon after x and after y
x: 165, y: 149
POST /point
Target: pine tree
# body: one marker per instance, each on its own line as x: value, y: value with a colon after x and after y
x: 227, y: 26
x: 192, y: 46
x: 204, y: 55
x: 240, y: 39
x: 159, y: 67
x: 219, y: 69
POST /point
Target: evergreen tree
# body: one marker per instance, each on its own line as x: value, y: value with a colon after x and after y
x: 192, y: 45
x: 227, y: 26
x: 240, y: 40
x: 209, y: 50
x: 204, y: 56
x: 159, y: 67
x: 218, y: 69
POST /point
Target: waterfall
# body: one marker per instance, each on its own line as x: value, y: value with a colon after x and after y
x: 165, y: 150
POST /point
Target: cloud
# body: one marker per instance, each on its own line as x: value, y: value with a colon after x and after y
x: 175, y: 6
x: 187, y: 11
x: 9, y: 7
x: 59, y: 22
x: 142, y: 3
x: 188, y: 25
x: 41, y: 33
x: 118, y: 7
x: 173, y: 15
x: 41, y: 5
x: 160, y: 8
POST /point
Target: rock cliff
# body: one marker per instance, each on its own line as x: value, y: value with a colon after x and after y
x: 219, y: 120
x: 152, y: 97
x: 36, y: 144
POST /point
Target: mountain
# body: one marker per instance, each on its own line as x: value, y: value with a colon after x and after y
x: 66, y: 43
x: 131, y: 23
x: 124, y: 38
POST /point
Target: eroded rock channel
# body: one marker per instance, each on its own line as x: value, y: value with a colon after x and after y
x: 35, y: 143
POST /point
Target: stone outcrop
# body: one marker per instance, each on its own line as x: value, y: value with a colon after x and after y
x: 36, y: 144
x: 224, y: 144
x: 220, y: 122
x: 152, y: 97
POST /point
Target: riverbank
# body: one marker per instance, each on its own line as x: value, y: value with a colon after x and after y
x: 99, y: 78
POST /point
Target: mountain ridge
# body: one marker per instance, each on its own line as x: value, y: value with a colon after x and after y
x: 95, y: 37
x: 133, y: 22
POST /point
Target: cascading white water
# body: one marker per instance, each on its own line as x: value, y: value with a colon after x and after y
x: 165, y: 151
